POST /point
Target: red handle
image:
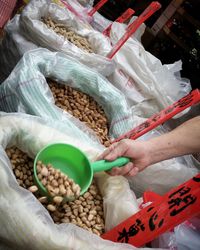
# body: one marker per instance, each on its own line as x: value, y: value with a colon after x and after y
x: 166, y: 114
x: 97, y: 7
x: 69, y: 7
x: 149, y: 11
x: 125, y: 16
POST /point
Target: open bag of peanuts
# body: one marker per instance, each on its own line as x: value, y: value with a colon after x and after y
x: 51, y: 26
x: 28, y: 219
x: 53, y: 85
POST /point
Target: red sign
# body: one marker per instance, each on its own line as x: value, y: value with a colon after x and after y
x: 125, y: 16
x: 149, y: 11
x: 97, y: 7
x: 166, y: 114
x: 161, y: 215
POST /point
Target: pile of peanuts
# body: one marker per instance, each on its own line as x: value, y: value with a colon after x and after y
x: 57, y: 183
x: 83, y: 107
x: 86, y: 212
x: 60, y: 29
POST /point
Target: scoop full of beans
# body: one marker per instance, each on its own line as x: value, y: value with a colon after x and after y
x: 78, y: 40
x: 56, y: 182
x: 83, y: 107
x: 86, y: 211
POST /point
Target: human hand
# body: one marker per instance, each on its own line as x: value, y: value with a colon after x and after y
x: 137, y: 151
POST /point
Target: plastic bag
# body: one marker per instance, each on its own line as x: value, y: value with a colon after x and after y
x: 116, y: 192
x: 27, y: 32
x: 149, y: 85
x: 185, y: 236
x: 25, y: 223
x: 33, y: 95
x: 37, y: 32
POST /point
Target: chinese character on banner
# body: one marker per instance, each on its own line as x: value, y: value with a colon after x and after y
x: 132, y: 231
x: 163, y: 214
x: 180, y: 200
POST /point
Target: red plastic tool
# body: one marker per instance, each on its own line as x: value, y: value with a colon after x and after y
x: 125, y: 16
x: 163, y: 214
x: 69, y: 7
x: 149, y: 11
x: 166, y: 114
x: 97, y: 7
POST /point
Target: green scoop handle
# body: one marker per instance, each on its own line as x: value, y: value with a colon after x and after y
x: 104, y: 165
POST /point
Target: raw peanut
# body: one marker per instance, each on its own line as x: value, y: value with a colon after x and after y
x: 58, y: 199
x: 51, y: 207
x: 75, y: 211
x: 82, y: 214
x: 86, y: 210
x: 63, y: 191
x: 44, y: 182
x: 86, y: 195
x: 33, y: 189
x: 39, y: 176
x: 78, y: 202
x: 80, y: 209
x: 65, y: 220
x: 84, y: 219
x: 92, y: 222
x: 90, y: 217
x: 54, y: 183
x: 43, y: 199
x: 93, y: 212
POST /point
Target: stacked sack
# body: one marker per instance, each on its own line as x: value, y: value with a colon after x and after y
x: 28, y: 31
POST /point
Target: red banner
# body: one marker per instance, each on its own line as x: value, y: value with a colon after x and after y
x: 148, y: 12
x: 166, y: 114
x: 125, y: 16
x: 161, y: 215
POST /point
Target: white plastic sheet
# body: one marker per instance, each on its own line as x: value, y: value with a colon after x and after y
x: 148, y: 85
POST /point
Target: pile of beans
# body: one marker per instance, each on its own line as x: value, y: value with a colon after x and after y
x: 86, y: 212
x: 60, y: 29
x: 83, y: 107
x: 57, y: 183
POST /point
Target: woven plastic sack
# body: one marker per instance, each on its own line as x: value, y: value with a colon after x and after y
x: 37, y: 32
x: 26, y: 90
x: 27, y: 32
x: 25, y: 223
x: 148, y: 85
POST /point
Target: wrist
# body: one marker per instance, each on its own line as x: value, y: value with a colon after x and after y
x: 161, y: 148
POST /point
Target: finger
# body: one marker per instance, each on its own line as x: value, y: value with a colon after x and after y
x: 122, y: 170
x: 107, y: 151
x: 133, y: 171
x: 118, y: 150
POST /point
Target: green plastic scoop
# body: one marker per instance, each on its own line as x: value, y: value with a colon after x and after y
x: 74, y: 163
